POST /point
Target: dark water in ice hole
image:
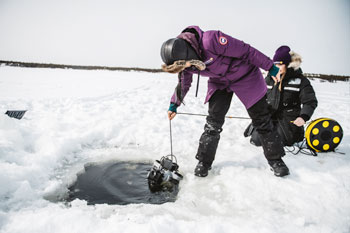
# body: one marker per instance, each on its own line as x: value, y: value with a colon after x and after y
x: 117, y: 183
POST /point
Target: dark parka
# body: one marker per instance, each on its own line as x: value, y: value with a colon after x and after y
x: 297, y: 99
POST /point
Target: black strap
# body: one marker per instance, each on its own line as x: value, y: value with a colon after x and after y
x: 197, y: 82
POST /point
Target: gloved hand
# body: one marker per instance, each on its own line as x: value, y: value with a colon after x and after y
x: 274, y: 72
x: 172, y: 111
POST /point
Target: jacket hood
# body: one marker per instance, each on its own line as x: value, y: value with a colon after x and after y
x: 296, y: 60
x: 192, y: 34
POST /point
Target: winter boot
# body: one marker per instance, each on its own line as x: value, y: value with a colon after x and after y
x: 202, y: 169
x: 278, y: 167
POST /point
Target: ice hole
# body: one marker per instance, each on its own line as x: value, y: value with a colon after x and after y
x: 117, y: 183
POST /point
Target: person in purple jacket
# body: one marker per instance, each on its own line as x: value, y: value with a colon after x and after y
x: 232, y: 67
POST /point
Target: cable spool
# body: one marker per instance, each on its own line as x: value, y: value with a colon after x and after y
x: 323, y: 135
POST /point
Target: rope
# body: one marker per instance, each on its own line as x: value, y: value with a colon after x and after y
x: 171, y: 140
x: 195, y: 114
x: 172, y: 156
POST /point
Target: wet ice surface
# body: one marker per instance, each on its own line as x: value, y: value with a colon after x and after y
x: 117, y: 183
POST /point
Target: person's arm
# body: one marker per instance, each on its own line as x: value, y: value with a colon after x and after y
x: 308, y: 99
x: 172, y: 111
x: 186, y: 81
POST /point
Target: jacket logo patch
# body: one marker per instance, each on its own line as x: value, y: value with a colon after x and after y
x: 223, y: 40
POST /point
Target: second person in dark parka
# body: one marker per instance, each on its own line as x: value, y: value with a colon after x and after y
x: 292, y: 100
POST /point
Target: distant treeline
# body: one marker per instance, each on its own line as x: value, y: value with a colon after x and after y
x: 330, y: 78
x: 77, y: 67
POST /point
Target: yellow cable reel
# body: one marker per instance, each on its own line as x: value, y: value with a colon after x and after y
x: 323, y: 134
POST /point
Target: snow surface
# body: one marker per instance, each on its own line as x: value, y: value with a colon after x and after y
x: 76, y: 117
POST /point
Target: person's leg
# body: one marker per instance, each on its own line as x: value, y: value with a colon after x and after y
x: 270, y: 140
x: 255, y: 139
x: 219, y: 105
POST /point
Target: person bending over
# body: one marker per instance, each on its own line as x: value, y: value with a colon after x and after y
x: 232, y: 67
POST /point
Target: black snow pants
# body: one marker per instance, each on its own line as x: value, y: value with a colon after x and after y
x: 219, y: 105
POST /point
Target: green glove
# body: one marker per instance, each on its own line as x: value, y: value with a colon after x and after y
x: 173, y: 107
x: 274, y: 71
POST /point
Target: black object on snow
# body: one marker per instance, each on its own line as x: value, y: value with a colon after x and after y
x: 18, y: 114
x: 164, y: 175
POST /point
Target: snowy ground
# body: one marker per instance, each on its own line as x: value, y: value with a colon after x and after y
x: 75, y: 117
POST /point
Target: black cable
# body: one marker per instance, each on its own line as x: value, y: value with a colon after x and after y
x: 301, y: 149
x: 172, y: 156
x: 171, y: 139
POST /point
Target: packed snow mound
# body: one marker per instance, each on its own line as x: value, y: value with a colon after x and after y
x: 77, y: 117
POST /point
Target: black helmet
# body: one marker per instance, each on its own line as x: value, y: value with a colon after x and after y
x: 177, y: 49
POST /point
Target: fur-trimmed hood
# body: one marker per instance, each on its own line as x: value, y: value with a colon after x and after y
x: 187, y: 35
x: 296, y: 60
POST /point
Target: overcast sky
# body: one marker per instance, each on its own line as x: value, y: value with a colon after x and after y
x: 130, y: 33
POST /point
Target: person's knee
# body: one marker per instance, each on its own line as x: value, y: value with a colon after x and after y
x: 212, y: 128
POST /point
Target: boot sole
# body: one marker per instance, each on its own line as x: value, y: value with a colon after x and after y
x: 200, y: 175
x: 279, y: 174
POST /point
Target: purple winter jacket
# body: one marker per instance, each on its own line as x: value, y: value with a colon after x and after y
x: 231, y: 64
